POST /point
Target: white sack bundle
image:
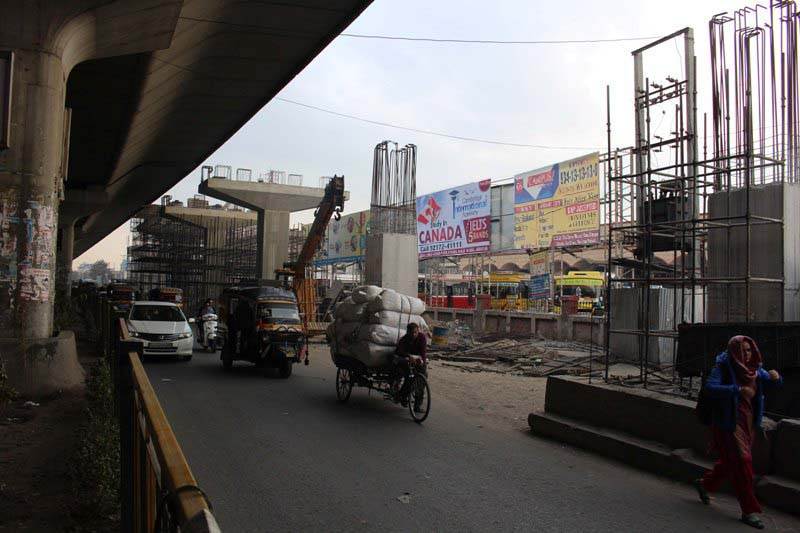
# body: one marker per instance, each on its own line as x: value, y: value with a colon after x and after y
x: 349, y: 311
x: 390, y: 300
x: 371, y: 354
x: 365, y: 293
x: 397, y: 320
x: 380, y: 334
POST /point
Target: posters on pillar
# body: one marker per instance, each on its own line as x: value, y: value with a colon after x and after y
x: 347, y: 239
x: 9, y: 221
x: 558, y: 205
x: 454, y: 221
x: 26, y: 251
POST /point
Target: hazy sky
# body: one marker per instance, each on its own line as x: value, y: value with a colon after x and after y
x: 551, y: 95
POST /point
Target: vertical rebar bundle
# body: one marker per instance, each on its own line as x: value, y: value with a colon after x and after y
x: 394, y: 189
x: 756, y: 112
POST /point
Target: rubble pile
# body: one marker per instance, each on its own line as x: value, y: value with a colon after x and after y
x: 528, y: 357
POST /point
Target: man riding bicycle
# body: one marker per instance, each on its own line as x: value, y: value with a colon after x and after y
x: 412, y: 343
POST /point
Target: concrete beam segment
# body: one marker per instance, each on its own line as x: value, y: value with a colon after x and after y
x: 272, y: 202
x: 80, y: 203
x: 268, y: 196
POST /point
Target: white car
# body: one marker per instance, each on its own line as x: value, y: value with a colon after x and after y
x: 162, y: 328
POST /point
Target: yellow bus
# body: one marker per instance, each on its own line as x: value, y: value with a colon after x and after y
x: 508, y: 290
x: 586, y: 285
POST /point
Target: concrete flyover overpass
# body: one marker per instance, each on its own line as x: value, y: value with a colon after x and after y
x: 113, y: 102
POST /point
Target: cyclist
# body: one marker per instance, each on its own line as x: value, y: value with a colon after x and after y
x: 412, y: 343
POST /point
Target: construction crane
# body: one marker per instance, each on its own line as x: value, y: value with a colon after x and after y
x: 297, y: 272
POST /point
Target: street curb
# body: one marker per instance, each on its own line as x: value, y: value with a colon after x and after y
x: 681, y: 465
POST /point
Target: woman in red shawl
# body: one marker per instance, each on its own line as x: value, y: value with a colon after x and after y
x: 736, y: 388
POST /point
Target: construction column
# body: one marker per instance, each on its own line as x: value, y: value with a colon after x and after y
x: 30, y: 172
x: 273, y: 242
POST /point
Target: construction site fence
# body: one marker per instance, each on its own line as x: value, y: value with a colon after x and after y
x: 158, y: 491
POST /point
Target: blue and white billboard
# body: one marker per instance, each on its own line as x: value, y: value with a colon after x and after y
x: 454, y: 221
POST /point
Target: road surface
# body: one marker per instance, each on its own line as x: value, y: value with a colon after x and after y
x: 283, y: 455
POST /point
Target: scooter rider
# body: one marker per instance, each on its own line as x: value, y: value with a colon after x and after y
x: 207, y: 309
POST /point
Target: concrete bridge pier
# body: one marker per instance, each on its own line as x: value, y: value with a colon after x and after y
x: 30, y: 177
x: 47, y: 40
x: 272, y: 202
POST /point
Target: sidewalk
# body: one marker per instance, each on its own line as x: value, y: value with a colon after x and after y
x: 38, y: 441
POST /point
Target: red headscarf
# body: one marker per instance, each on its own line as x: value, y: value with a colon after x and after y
x: 746, y: 372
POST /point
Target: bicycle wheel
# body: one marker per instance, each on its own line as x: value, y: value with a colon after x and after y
x: 419, y: 398
x: 344, y: 384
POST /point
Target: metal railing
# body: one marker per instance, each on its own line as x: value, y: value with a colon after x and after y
x: 158, y: 491
x: 227, y: 172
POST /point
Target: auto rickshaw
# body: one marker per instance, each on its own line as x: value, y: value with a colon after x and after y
x: 120, y: 296
x: 263, y: 326
x: 167, y: 294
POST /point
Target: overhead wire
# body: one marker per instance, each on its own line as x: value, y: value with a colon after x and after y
x: 389, y: 124
x: 430, y: 132
x: 423, y: 39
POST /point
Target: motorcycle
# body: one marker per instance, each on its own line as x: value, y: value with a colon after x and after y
x: 210, y: 337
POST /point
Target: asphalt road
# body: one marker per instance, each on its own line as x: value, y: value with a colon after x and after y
x: 283, y: 455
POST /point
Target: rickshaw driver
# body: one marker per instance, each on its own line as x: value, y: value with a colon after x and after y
x: 412, y: 343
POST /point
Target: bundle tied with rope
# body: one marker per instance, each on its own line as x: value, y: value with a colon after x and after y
x: 369, y: 323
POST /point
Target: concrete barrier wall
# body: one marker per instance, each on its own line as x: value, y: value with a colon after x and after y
x: 641, y: 413
x: 785, y: 449
x: 544, y: 325
x: 667, y: 420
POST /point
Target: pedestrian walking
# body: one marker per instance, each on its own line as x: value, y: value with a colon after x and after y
x: 735, y: 390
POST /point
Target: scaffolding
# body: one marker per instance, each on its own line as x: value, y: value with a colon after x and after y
x: 713, y: 201
x: 199, y: 254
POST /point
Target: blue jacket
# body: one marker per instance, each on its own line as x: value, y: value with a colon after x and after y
x: 722, y: 389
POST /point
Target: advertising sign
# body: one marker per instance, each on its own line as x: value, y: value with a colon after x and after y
x: 455, y: 221
x: 539, y: 263
x: 539, y: 287
x: 347, y: 239
x: 558, y: 205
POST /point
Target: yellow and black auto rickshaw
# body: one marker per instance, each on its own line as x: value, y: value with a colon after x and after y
x: 262, y: 325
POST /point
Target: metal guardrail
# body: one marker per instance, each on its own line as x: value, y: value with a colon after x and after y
x: 158, y: 490
x: 226, y: 172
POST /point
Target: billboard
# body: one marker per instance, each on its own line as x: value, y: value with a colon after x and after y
x: 539, y: 287
x: 540, y: 263
x: 455, y: 221
x: 347, y: 239
x: 558, y: 205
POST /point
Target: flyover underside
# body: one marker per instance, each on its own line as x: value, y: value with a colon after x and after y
x: 155, y: 86
x: 225, y: 61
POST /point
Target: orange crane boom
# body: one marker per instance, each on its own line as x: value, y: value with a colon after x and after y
x: 331, y: 205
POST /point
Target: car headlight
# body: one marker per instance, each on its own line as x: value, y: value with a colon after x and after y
x: 134, y: 334
x: 185, y: 335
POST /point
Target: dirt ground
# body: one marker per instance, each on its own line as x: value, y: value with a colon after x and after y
x: 37, y: 443
x: 497, y: 400
x: 501, y: 401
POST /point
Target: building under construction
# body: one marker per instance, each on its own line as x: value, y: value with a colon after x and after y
x: 718, y: 192
x: 197, y: 248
